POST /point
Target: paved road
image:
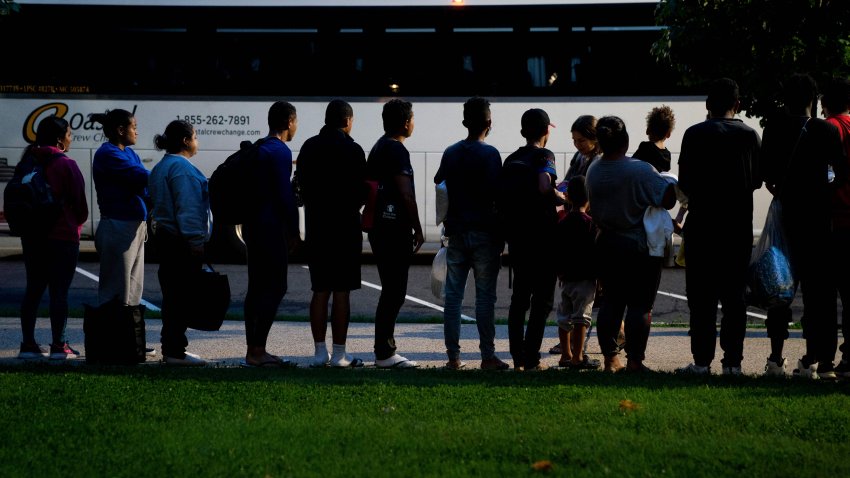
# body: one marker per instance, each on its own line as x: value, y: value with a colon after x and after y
x: 668, y: 347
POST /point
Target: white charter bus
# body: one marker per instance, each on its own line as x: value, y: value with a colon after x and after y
x: 222, y: 68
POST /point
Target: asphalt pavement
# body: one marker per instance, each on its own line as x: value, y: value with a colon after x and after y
x: 668, y: 347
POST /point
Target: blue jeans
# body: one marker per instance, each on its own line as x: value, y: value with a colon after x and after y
x: 481, y: 252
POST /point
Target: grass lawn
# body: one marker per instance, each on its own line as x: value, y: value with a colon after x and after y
x: 154, y: 421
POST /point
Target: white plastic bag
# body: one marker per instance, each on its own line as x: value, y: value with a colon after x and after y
x: 442, y: 202
x: 439, y: 269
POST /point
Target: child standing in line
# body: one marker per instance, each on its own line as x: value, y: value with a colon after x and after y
x: 659, y: 126
x: 576, y: 268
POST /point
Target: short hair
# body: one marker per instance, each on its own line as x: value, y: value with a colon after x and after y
x: 660, y: 122
x: 799, y: 91
x: 280, y: 113
x: 836, y: 95
x: 723, y: 94
x: 476, y: 113
x: 585, y: 125
x: 337, y: 113
x: 172, y: 139
x: 112, y: 120
x: 395, y: 114
x: 50, y: 130
x: 612, y: 134
x: 535, y: 124
x: 577, y: 190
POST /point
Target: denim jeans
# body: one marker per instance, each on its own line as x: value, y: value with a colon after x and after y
x: 481, y: 252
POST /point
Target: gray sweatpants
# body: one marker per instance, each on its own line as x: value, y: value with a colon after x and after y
x: 121, y: 245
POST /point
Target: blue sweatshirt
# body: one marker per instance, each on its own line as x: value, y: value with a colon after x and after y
x: 181, y: 199
x: 121, y: 183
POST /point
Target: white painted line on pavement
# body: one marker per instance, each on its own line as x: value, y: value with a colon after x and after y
x: 97, y: 279
x: 681, y: 297
x: 412, y: 299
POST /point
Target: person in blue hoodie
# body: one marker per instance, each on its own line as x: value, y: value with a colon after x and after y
x: 121, y: 182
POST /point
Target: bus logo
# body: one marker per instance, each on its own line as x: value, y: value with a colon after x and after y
x: 59, y: 109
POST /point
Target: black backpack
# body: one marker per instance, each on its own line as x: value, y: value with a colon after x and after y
x: 233, y: 184
x: 28, y: 201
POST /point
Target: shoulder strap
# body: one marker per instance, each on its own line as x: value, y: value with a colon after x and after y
x: 803, y: 130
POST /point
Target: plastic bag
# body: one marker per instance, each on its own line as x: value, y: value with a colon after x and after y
x: 442, y: 202
x: 771, y: 281
x: 439, y: 269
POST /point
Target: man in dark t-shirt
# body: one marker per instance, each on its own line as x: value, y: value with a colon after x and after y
x: 397, y: 233
x: 526, y: 203
x: 470, y: 169
x: 718, y: 172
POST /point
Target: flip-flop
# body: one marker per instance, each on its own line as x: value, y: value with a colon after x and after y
x: 354, y: 363
x: 400, y: 363
x: 276, y: 362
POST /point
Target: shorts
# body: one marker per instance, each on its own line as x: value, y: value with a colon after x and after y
x: 576, y: 304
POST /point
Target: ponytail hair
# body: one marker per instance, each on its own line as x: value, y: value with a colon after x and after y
x: 112, y: 120
x: 172, y: 140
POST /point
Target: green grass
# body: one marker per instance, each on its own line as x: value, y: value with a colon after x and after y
x: 163, y: 422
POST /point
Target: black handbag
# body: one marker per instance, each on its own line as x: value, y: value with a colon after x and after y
x: 209, y: 297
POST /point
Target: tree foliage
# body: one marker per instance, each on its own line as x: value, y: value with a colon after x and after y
x: 8, y: 7
x: 755, y: 42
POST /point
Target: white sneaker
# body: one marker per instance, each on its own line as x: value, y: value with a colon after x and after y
x: 732, y: 371
x: 773, y: 369
x: 810, y: 372
x: 396, y: 361
x: 694, y: 369
x: 190, y: 360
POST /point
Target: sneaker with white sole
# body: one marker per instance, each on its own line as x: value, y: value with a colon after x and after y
x: 810, y: 372
x: 773, y: 369
x: 732, y: 371
x: 31, y: 352
x: 826, y: 371
x: 694, y: 369
x: 842, y: 370
x: 189, y: 360
x: 396, y: 361
x: 149, y: 352
x: 62, y: 352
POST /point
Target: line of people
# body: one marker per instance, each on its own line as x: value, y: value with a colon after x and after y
x: 603, y: 236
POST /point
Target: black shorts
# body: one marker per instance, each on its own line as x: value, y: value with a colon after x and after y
x: 335, y: 268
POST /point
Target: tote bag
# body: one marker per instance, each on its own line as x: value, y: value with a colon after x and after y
x: 207, y: 300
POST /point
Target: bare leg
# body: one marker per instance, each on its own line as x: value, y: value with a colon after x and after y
x: 566, y: 352
x: 340, y: 317
x: 319, y: 315
x: 578, y: 337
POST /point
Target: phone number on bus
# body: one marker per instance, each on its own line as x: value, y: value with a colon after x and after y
x: 216, y: 119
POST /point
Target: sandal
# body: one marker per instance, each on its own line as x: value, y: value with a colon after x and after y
x: 556, y: 350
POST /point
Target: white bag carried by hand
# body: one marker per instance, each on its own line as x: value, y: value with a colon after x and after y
x: 439, y: 269
x: 442, y: 202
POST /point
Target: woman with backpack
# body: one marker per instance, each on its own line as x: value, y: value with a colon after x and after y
x: 51, y: 249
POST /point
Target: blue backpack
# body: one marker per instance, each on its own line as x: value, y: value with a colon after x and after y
x: 29, y: 205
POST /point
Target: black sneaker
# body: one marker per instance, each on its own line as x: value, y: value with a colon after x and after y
x: 31, y: 351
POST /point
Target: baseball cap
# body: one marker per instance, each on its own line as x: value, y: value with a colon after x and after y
x: 535, y: 123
